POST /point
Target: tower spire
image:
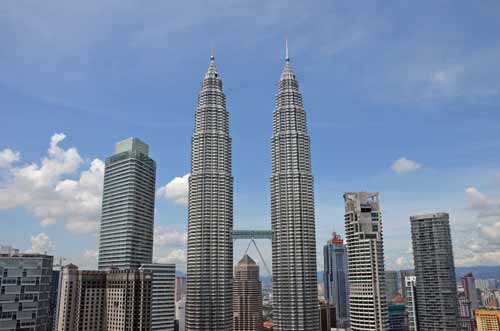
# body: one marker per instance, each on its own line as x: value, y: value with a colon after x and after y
x: 287, y: 58
x: 212, y: 52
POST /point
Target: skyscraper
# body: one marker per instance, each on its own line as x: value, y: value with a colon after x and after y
x: 295, y: 291
x: 163, y: 296
x: 410, y: 290
x: 437, y: 300
x: 391, y: 284
x: 247, y: 299
x: 365, y: 256
x: 335, y: 278
x: 126, y: 234
x: 470, y: 291
x: 210, y: 225
x: 488, y: 319
x: 402, y: 276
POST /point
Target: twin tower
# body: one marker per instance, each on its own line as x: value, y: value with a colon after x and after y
x: 210, y: 245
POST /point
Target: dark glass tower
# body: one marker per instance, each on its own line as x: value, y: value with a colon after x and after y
x: 210, y: 246
x: 295, y: 292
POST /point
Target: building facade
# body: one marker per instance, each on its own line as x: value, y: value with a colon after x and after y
x: 163, y: 296
x: 467, y: 320
x: 126, y: 233
x: 402, y: 278
x: 391, y: 284
x: 437, y: 298
x: 82, y: 300
x: 488, y: 319
x: 247, y: 299
x: 336, y: 285
x: 365, y: 252
x: 128, y: 300
x: 210, y: 224
x: 397, y: 316
x: 25, y: 289
x: 295, y: 291
x: 470, y: 291
x: 410, y: 290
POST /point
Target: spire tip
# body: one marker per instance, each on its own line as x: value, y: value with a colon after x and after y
x: 287, y: 58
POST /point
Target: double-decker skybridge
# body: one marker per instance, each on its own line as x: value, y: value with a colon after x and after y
x: 253, y: 235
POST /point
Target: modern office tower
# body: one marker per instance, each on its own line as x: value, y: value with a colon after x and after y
x: 126, y: 234
x: 365, y: 256
x: 163, y: 296
x: 180, y: 314
x: 295, y: 291
x: 335, y: 279
x: 327, y: 319
x: 210, y: 225
x: 391, y: 284
x: 247, y: 298
x: 410, y: 290
x: 24, y: 290
x: 488, y: 319
x: 82, y: 301
x: 465, y: 313
x: 54, y: 294
x: 437, y: 299
x: 402, y: 276
x: 180, y: 287
x: 397, y: 315
x: 128, y: 300
x: 470, y: 291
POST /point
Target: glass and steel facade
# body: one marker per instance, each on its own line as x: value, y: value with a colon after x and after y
x: 126, y: 233
x: 437, y: 298
x: 210, y: 215
x: 25, y: 291
x: 295, y: 291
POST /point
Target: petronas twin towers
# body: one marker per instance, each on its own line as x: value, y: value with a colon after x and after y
x: 210, y: 225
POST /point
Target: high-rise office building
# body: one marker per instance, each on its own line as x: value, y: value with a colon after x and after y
x: 488, y: 319
x: 25, y: 289
x: 54, y: 294
x: 437, y: 299
x: 295, y: 291
x: 327, y: 316
x: 365, y: 256
x: 391, y: 284
x: 402, y: 278
x: 210, y: 245
x: 180, y: 314
x: 180, y: 288
x: 335, y: 279
x: 470, y: 291
x: 410, y: 290
x: 128, y: 300
x: 82, y: 301
x: 247, y: 299
x: 397, y: 315
x: 466, y: 314
x: 163, y: 296
x: 126, y: 233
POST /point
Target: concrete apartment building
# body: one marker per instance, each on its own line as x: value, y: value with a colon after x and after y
x: 365, y: 256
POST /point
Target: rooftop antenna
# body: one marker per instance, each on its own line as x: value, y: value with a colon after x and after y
x: 212, y: 52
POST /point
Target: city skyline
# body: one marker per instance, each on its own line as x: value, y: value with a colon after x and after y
x: 466, y: 177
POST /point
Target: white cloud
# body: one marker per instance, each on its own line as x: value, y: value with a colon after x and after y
x: 45, y: 191
x: 41, y: 243
x: 172, y: 237
x: 176, y: 190
x: 485, y: 205
x: 491, y: 233
x: 8, y: 156
x: 403, y: 165
x: 177, y: 256
x: 477, y: 252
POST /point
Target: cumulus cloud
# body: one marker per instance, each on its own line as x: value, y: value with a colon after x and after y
x: 177, y: 256
x: 491, y: 233
x: 41, y: 243
x: 485, y: 205
x: 477, y: 252
x: 176, y: 190
x: 8, y: 156
x: 172, y: 237
x: 403, y: 165
x: 45, y: 191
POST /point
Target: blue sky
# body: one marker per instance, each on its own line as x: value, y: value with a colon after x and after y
x: 382, y: 81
